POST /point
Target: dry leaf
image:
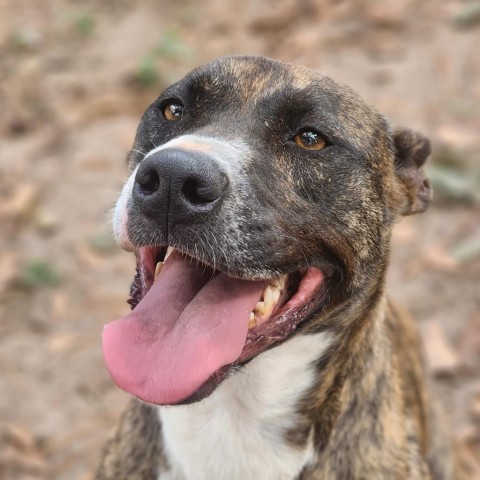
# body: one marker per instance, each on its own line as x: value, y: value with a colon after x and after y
x: 20, y: 455
x: 87, y: 257
x: 441, y: 357
x: 469, y: 345
x: 20, y: 438
x: 437, y: 257
x: 404, y: 233
x: 59, y: 304
x: 8, y: 270
x: 67, y: 341
x: 21, y: 203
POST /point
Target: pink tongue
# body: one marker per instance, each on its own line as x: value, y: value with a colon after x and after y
x: 186, y: 327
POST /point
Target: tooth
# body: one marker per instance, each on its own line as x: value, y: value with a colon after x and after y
x: 169, y: 251
x: 279, y: 282
x: 268, y: 298
x: 252, y: 321
x: 276, y: 295
x: 259, y: 308
x: 158, y: 268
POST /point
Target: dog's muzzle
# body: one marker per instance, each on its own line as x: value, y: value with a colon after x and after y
x: 181, y: 185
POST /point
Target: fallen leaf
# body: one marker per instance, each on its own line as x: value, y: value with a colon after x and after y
x: 87, y: 257
x: 59, y: 304
x: 469, y: 343
x: 65, y: 342
x: 388, y: 15
x: 20, y: 204
x: 457, y: 137
x: 438, y: 257
x: 8, y: 270
x: 20, y: 438
x: 20, y: 455
x: 46, y: 222
x: 441, y: 357
x: 404, y: 233
x: 475, y: 408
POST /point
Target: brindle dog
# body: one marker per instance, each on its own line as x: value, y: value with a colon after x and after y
x: 264, y: 343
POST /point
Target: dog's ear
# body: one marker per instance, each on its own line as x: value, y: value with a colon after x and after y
x: 411, y: 150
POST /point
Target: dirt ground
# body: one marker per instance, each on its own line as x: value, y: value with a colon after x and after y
x: 74, y: 80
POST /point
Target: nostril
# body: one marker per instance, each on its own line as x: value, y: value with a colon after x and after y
x: 149, y: 182
x: 195, y: 194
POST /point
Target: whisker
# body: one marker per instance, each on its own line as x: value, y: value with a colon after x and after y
x: 139, y: 151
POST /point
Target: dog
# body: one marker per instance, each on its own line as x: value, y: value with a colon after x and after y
x: 262, y: 344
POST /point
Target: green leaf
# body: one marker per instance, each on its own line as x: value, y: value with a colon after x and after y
x: 39, y: 273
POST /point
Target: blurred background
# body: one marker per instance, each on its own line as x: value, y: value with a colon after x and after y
x: 75, y: 77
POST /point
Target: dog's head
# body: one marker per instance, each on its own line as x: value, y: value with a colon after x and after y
x: 277, y: 189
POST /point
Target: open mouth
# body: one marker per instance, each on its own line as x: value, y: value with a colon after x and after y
x: 191, y: 325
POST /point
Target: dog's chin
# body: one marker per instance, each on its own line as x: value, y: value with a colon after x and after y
x: 210, y: 385
x: 261, y: 315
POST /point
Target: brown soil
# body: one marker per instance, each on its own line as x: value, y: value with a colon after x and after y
x: 74, y: 80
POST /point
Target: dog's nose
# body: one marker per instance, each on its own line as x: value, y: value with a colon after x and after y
x: 182, y: 184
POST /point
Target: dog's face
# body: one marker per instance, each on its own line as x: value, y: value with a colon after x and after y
x: 276, y: 188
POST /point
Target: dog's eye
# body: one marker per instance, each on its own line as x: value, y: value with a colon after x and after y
x: 173, y: 111
x: 310, y: 140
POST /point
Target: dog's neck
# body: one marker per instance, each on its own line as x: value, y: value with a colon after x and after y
x: 240, y: 430
x: 245, y: 428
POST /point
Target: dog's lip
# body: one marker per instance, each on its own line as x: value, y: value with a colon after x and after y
x: 149, y: 255
x: 283, y: 322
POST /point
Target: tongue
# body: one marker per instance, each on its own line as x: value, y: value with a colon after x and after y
x: 186, y: 327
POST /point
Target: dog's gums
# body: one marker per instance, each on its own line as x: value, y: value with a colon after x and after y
x: 191, y: 324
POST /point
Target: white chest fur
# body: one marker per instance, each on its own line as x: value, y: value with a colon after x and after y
x: 238, y: 432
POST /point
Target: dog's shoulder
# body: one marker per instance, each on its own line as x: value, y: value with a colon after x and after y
x: 407, y: 357
x: 428, y: 420
x: 134, y: 450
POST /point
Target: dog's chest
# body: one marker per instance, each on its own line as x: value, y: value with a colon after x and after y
x: 239, y: 432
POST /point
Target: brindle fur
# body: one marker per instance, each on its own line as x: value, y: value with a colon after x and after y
x: 369, y: 409
x: 134, y: 450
